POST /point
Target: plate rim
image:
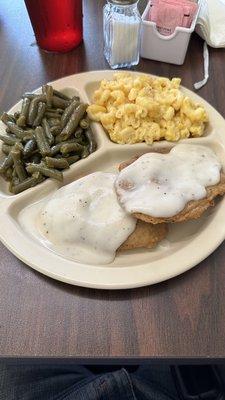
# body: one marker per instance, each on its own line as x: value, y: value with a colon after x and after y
x: 97, y: 285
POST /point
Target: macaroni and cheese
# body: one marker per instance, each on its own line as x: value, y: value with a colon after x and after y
x: 142, y: 108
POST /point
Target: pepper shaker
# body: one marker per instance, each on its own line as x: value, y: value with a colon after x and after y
x: 122, y: 28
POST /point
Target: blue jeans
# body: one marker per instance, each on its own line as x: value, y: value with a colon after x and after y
x: 72, y: 382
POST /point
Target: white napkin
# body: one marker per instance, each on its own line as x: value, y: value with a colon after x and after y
x: 211, y: 27
x: 199, y: 85
x: 211, y: 22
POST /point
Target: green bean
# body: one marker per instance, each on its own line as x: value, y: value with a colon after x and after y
x: 72, y: 159
x: 59, y: 102
x: 36, y: 151
x: 74, y: 121
x: 24, y: 113
x: 55, y: 149
x: 29, y: 96
x: 12, y: 183
x: 58, y: 138
x: 47, y: 131
x: 50, y: 114
x: 71, y: 147
x: 78, y: 133
x: 48, y: 91
x: 29, y: 147
x: 40, y: 114
x: 33, y: 110
x: 84, y: 123
x: 76, y: 140
x: 14, y: 175
x: 60, y: 95
x: 92, y: 143
x: 15, y: 180
x: 43, y: 89
x: 16, y: 115
x: 9, y: 174
x: 16, y: 130
x: 26, y: 184
x: 81, y: 141
x: 10, y: 140
x: 85, y: 153
x: 58, y: 110
x: 49, y: 172
x: 54, y: 122
x: 55, y: 110
x: 12, y: 117
x: 18, y: 146
x: 28, y: 136
x: 6, y: 118
x: 60, y: 163
x: 56, y: 130
x: 7, y: 162
x: 6, y: 148
x: 50, y: 146
x: 35, y: 158
x: 18, y: 164
x: 42, y: 141
x: 77, y: 98
x: 68, y: 112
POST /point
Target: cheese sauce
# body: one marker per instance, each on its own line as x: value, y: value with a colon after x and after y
x: 85, y: 221
x: 160, y: 185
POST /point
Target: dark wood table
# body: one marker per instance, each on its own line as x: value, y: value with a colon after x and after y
x: 41, y: 317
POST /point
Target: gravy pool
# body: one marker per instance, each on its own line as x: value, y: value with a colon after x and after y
x: 85, y: 221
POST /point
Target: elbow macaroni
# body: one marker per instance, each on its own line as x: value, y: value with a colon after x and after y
x: 141, y: 108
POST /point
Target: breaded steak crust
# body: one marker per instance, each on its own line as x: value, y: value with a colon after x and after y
x: 145, y: 235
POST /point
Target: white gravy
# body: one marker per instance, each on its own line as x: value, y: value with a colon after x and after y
x: 160, y: 185
x: 84, y: 220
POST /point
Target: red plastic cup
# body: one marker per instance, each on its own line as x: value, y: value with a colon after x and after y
x: 57, y: 24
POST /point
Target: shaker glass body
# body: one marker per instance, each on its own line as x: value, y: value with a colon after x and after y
x: 122, y: 25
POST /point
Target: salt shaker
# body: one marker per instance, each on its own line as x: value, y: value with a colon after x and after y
x: 122, y: 27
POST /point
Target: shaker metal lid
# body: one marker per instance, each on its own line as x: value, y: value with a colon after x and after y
x: 123, y: 2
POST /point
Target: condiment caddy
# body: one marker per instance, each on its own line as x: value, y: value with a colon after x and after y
x: 126, y: 34
x: 170, y: 49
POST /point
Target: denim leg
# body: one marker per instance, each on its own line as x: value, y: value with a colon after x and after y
x: 39, y: 382
x: 71, y: 382
x: 111, y: 386
x: 153, y: 382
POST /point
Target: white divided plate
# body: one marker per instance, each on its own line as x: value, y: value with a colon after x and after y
x: 186, y: 245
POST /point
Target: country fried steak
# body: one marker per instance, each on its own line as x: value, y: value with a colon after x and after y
x: 193, y: 210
